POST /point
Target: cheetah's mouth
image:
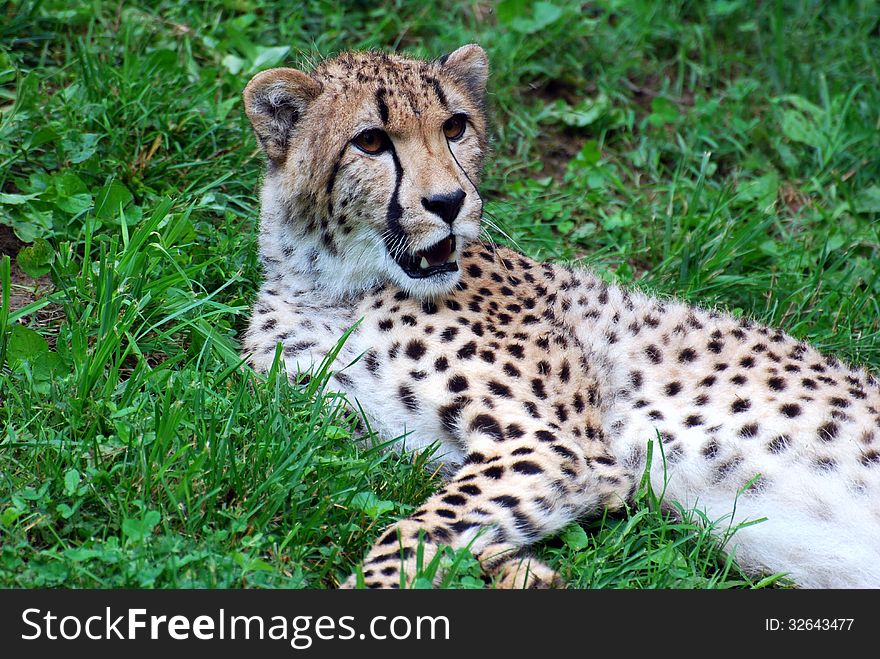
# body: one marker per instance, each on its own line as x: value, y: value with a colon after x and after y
x: 434, y: 260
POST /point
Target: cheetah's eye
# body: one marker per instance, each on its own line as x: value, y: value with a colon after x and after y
x: 454, y: 127
x: 372, y: 141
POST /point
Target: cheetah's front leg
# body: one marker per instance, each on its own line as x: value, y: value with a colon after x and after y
x: 518, y: 485
x: 307, y: 326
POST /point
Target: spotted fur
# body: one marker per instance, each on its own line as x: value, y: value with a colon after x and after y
x: 544, y: 385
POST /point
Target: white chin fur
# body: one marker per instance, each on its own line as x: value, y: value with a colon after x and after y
x: 427, y: 288
x: 368, y: 264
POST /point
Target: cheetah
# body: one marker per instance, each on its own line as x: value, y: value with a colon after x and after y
x: 544, y: 385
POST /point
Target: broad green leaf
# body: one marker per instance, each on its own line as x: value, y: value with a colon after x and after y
x: 71, y: 481
x: 617, y: 219
x: 109, y: 200
x: 509, y: 10
x: 16, y: 199
x: 44, y: 368
x: 233, y: 64
x: 36, y: 259
x: 575, y: 537
x: 269, y: 57
x: 37, y: 182
x: 28, y: 94
x: 68, y: 183
x: 589, y: 154
x: 663, y: 111
x: 31, y: 494
x: 7, y: 68
x: 249, y: 564
x: 835, y: 241
x: 335, y: 432
x: 546, y: 13
x: 160, y: 61
x: 74, y: 204
x: 80, y: 146
x: 543, y: 14
x: 725, y: 7
x: 78, y: 554
x: 137, y: 530
x: 868, y: 200
x: 24, y: 344
x: 798, y: 128
x: 9, y: 515
x: 31, y: 224
x: 42, y: 136
x: 72, y: 91
x: 762, y: 190
x: 802, y: 104
x: 786, y: 154
x: 370, y: 504
x: 583, y: 114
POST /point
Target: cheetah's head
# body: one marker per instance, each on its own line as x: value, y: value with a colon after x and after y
x: 373, y: 165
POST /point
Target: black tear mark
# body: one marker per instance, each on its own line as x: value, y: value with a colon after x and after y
x: 438, y: 89
x: 396, y: 236
x: 382, y: 105
x: 332, y: 179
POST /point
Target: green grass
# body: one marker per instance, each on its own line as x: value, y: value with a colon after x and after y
x: 725, y: 152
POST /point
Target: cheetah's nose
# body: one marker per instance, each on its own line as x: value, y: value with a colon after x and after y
x: 445, y: 206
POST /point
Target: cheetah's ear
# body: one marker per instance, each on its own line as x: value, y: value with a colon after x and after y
x: 274, y: 101
x: 468, y: 65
